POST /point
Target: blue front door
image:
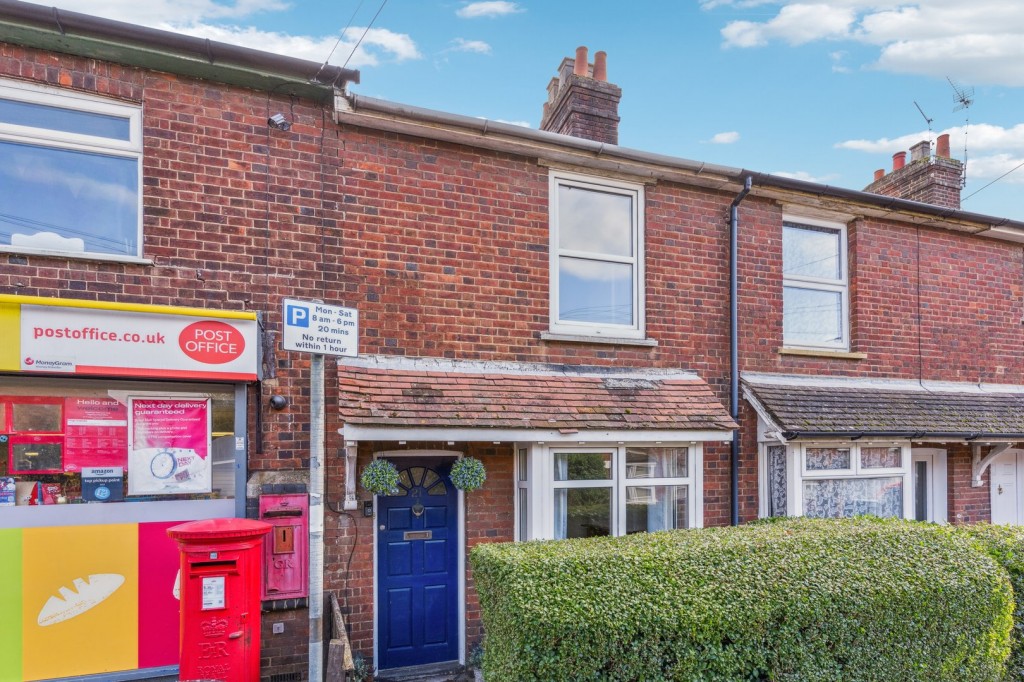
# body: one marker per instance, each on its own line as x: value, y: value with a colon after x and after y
x: 417, y: 567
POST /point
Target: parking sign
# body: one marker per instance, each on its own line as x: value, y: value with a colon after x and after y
x: 320, y: 328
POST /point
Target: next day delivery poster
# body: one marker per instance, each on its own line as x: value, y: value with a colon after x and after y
x: 170, y: 446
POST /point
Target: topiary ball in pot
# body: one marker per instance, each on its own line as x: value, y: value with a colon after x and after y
x: 380, y: 477
x: 468, y: 474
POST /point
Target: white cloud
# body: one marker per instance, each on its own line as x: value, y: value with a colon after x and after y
x: 725, y: 138
x: 995, y: 166
x: 177, y: 12
x: 978, y: 42
x: 992, y: 150
x: 981, y: 137
x: 490, y: 9
x: 805, y: 176
x: 475, y: 46
x: 206, y: 19
x: 795, y: 24
x: 380, y: 44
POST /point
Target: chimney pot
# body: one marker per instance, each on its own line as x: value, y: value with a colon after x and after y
x: 601, y: 66
x: 921, y: 150
x: 879, y: 174
x: 899, y: 160
x: 942, y: 146
x: 581, y: 68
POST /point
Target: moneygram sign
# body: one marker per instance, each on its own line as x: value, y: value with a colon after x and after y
x: 92, y: 338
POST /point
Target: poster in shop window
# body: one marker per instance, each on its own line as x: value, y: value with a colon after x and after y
x: 96, y: 433
x: 169, y: 452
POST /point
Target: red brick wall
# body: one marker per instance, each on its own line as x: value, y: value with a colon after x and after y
x: 966, y: 504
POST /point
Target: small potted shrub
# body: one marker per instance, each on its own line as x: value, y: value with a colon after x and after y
x: 380, y: 477
x: 468, y: 474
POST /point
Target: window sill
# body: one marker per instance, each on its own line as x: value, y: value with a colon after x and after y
x: 74, y: 255
x: 823, y: 353
x: 608, y: 340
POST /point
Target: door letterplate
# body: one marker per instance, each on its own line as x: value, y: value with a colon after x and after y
x: 418, y: 535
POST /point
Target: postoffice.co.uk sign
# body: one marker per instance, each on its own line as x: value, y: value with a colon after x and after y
x: 93, y: 338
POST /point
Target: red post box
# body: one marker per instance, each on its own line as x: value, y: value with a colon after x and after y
x: 220, y: 598
x: 286, y: 551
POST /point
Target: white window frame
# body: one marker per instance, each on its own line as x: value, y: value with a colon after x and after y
x: 799, y: 473
x: 541, y: 486
x: 55, y: 139
x: 840, y: 286
x: 635, y: 192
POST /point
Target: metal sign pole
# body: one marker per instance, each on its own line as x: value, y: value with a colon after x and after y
x: 316, y: 516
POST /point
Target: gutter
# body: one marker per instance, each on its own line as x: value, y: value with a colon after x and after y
x: 906, y: 435
x: 734, y: 346
x: 50, y: 28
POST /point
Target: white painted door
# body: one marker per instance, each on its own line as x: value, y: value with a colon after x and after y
x: 928, y: 484
x: 1006, y: 472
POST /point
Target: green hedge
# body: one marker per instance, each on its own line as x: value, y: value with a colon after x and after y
x: 798, y: 600
x: 1005, y: 544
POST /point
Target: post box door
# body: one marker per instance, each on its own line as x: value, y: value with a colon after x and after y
x: 285, y: 549
x: 217, y: 600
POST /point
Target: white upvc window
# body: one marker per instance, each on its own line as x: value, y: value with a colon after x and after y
x: 578, y: 492
x: 597, y: 279
x: 815, y: 294
x: 71, y: 173
x: 836, y: 480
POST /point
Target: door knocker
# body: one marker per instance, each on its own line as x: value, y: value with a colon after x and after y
x: 417, y: 510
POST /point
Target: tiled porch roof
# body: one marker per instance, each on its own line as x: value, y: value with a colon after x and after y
x: 852, y: 411
x: 412, y: 398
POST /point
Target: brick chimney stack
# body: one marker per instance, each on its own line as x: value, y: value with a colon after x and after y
x: 929, y: 179
x: 581, y: 101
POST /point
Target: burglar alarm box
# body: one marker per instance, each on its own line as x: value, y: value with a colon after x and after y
x: 286, y: 550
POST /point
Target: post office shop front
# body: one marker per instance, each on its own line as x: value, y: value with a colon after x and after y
x: 116, y: 422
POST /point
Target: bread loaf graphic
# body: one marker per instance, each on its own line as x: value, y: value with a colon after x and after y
x: 85, y: 595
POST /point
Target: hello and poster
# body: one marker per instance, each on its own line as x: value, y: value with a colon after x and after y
x: 169, y: 452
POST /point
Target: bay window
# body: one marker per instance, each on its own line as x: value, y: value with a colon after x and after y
x: 836, y: 480
x: 600, y: 491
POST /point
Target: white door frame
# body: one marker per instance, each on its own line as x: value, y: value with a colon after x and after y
x: 936, y: 460
x: 462, y: 551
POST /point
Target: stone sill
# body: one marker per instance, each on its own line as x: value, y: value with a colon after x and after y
x: 607, y: 340
x: 831, y: 354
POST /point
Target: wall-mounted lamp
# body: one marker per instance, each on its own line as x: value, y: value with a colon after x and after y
x: 279, y: 121
x: 278, y: 402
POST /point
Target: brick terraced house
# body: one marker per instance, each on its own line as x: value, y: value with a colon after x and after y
x: 629, y: 342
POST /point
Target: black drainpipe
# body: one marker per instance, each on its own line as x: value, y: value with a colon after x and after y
x: 734, y: 350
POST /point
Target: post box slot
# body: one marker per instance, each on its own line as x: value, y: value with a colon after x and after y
x: 276, y: 513
x: 207, y: 567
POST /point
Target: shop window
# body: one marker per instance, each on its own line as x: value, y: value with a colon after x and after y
x: 815, y: 297
x: 596, y: 257
x: 143, y: 441
x: 71, y: 173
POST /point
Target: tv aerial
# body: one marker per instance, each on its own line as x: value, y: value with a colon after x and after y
x: 964, y: 98
x: 926, y: 119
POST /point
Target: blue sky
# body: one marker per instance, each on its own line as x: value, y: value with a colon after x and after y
x: 819, y: 91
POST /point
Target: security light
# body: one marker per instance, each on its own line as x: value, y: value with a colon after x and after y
x: 279, y: 121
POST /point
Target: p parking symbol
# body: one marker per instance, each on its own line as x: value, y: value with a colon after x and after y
x: 297, y: 316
